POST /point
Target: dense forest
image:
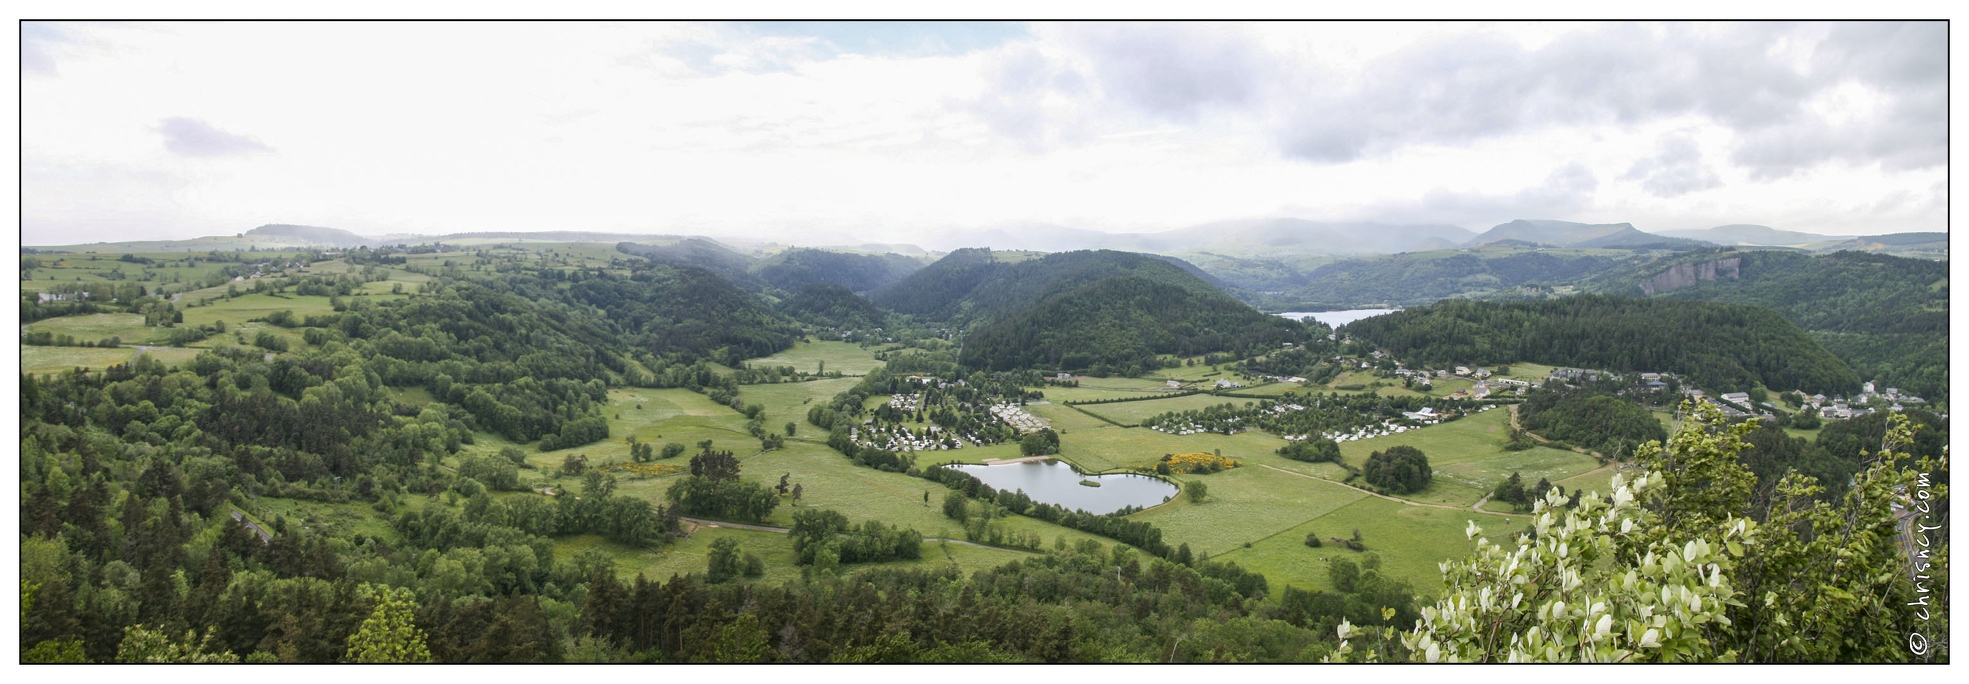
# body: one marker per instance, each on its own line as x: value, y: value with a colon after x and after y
x: 1083, y: 310
x: 1600, y: 422
x: 1418, y: 278
x: 832, y: 306
x: 1725, y: 347
x: 795, y: 269
x: 1886, y: 316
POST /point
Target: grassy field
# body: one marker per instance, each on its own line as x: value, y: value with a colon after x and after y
x: 171, y: 356
x: 1133, y: 412
x: 1065, y: 418
x: 789, y: 401
x: 128, y: 327
x: 1065, y: 394
x: 248, y: 306
x: 60, y: 359
x: 1245, y: 505
x: 1410, y: 541
x: 808, y: 357
x: 1110, y: 448
x: 1468, y: 458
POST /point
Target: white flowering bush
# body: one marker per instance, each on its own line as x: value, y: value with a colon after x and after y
x: 1658, y: 570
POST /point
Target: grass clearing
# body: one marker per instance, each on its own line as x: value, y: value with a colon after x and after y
x: 1410, y: 541
x: 1245, y: 505
x: 790, y: 401
x: 62, y: 359
x: 173, y: 356
x: 1065, y: 418
x: 808, y: 357
x: 1065, y: 394
x: 1134, y: 412
x: 128, y: 327
x: 1468, y: 458
x: 239, y: 309
x: 1112, y: 448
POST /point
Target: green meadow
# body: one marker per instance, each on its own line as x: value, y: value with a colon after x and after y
x: 128, y: 327
x: 808, y: 357
x: 60, y: 359
x: 1134, y: 412
x: 1410, y: 541
x: 1468, y: 458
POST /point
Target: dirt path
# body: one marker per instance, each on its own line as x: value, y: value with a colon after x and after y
x: 700, y: 522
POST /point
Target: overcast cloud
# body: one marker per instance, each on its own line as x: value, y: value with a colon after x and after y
x: 810, y: 132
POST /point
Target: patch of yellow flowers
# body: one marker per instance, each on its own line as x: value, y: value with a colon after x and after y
x: 1197, y: 461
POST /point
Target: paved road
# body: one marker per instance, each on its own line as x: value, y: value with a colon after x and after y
x: 782, y: 530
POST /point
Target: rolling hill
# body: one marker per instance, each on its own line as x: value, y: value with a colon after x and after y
x: 1093, y: 310
x: 1719, y: 346
x: 1570, y: 234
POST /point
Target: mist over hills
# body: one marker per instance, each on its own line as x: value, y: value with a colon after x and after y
x: 1272, y: 235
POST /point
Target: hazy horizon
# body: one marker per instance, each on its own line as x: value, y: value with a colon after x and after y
x: 849, y: 132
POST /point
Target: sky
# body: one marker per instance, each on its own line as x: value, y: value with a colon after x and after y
x: 833, y: 133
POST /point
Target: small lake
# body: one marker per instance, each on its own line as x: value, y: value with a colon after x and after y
x: 1056, y: 482
x: 1336, y: 318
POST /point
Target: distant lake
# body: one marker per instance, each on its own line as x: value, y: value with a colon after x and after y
x: 1336, y: 318
x: 1056, y: 482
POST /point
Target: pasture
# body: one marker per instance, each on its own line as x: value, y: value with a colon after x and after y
x: 1134, y: 412
x: 62, y: 359
x: 128, y: 327
x: 1410, y: 540
x: 1468, y: 458
x: 808, y: 357
x: 1245, y: 504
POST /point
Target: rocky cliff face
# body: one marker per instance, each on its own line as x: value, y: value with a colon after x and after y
x: 1685, y: 275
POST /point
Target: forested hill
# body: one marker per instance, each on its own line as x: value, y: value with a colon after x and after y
x: 1719, y: 346
x: 795, y: 269
x: 685, y: 311
x: 1885, y: 316
x: 1120, y: 323
x: 703, y: 253
x: 1082, y: 310
x: 979, y: 284
x: 939, y: 290
x: 832, y: 306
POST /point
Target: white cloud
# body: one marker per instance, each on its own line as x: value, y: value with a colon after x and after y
x: 175, y: 130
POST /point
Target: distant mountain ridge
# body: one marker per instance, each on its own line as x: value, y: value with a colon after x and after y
x: 1570, y: 234
x: 1254, y: 235
x: 1751, y: 234
x: 314, y: 234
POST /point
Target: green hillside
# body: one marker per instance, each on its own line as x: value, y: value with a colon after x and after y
x: 796, y: 268
x: 1886, y: 316
x: 1099, y: 310
x: 832, y: 306
x: 1719, y: 346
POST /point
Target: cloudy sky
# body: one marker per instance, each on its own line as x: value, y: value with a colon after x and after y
x: 813, y: 133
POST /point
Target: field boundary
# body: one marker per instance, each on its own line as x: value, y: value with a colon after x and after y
x: 1097, y: 416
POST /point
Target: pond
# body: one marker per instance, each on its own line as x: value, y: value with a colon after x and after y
x: 1056, y: 482
x: 1336, y: 318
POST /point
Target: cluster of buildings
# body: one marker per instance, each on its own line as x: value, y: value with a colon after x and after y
x: 1839, y: 408
x: 1016, y: 416
x: 899, y: 439
x: 1193, y: 428
x: 906, y: 403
